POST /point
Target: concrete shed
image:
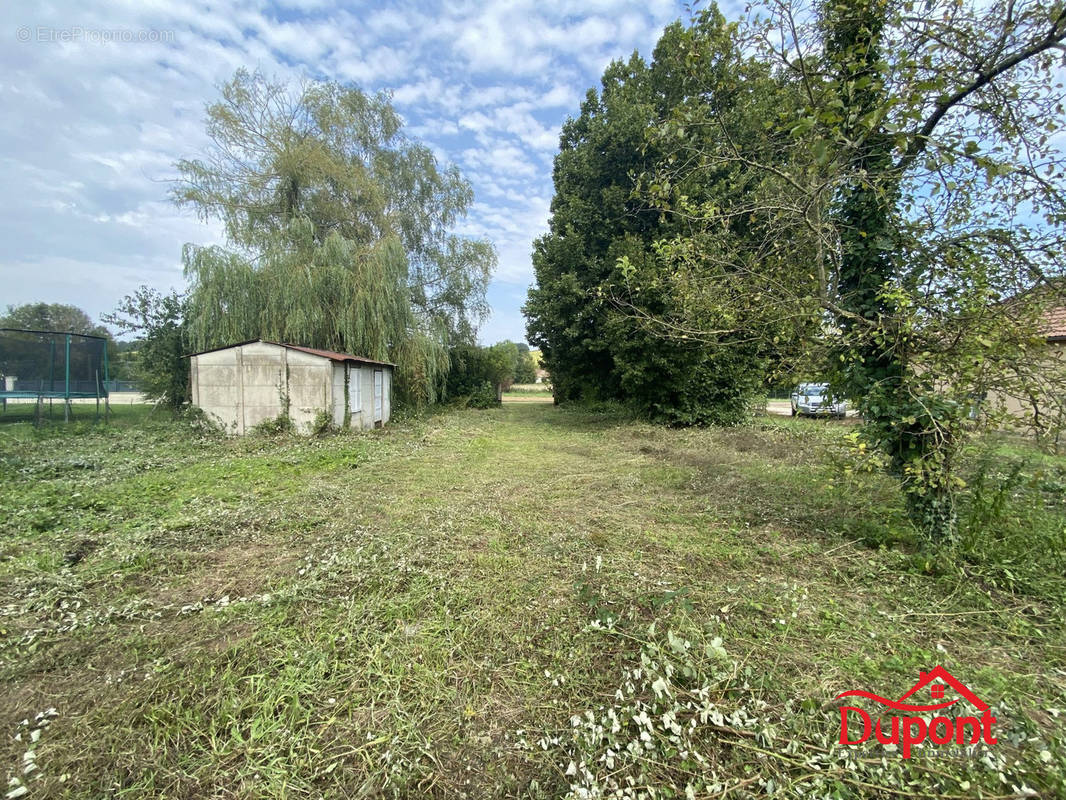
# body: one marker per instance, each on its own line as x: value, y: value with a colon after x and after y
x: 247, y: 383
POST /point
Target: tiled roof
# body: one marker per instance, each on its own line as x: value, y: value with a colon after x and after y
x: 1056, y: 323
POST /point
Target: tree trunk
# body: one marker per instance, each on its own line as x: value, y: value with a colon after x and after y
x: 934, y: 513
x: 873, y: 360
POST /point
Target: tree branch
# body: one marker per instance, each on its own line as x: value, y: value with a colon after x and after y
x: 1054, y: 38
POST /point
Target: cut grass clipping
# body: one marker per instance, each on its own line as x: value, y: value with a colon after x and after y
x: 519, y: 602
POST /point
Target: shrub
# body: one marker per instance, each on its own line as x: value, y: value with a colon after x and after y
x: 199, y: 422
x: 274, y: 426
x: 322, y: 424
x: 484, y: 396
x: 1010, y: 527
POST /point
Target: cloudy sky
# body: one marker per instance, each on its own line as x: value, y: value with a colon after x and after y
x: 100, y: 99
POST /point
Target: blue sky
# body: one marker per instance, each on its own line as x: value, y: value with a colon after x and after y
x: 100, y: 99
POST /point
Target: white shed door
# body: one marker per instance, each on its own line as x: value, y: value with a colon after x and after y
x: 338, y: 394
x: 379, y: 391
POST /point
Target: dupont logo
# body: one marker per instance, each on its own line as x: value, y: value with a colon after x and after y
x: 856, y: 725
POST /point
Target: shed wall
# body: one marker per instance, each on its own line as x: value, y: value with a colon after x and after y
x: 310, y: 388
x: 249, y: 384
x: 245, y: 385
x: 262, y: 382
x: 216, y: 387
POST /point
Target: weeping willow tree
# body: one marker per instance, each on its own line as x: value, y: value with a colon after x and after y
x: 337, y: 232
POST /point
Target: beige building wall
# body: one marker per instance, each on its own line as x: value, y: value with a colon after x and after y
x: 1055, y: 371
x: 247, y: 384
x: 243, y: 386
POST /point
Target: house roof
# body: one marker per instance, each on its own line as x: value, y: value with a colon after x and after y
x: 1056, y: 324
x: 332, y: 355
x: 1054, y: 317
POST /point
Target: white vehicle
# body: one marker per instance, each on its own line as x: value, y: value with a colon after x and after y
x: 813, y: 399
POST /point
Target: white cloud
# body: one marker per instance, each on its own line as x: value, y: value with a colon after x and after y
x: 388, y: 21
x: 91, y: 129
x: 561, y: 96
x: 506, y: 160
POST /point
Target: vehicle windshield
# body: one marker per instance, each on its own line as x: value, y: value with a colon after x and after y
x: 813, y: 388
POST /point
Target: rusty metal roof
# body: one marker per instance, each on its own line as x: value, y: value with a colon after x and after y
x: 332, y: 355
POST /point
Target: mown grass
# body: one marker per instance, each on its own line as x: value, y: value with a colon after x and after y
x: 420, y: 610
x: 529, y: 393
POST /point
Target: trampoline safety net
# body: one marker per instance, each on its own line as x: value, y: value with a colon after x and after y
x: 52, y: 364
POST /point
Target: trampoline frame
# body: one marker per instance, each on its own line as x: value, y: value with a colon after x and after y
x: 66, y: 395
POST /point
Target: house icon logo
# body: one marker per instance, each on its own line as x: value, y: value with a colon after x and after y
x: 907, y: 731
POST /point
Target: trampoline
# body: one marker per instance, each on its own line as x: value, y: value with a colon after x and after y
x: 52, y: 365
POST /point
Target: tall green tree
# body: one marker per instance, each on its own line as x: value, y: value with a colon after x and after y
x: 338, y: 228
x: 51, y: 317
x: 602, y: 309
x: 592, y: 207
x: 525, y: 370
x: 478, y: 374
x: 159, y: 322
x: 917, y: 170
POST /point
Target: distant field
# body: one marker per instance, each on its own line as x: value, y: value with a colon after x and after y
x: 520, y: 602
x: 529, y: 393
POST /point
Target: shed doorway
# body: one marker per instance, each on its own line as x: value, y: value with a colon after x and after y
x: 379, y: 391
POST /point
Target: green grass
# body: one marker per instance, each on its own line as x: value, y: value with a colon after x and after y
x: 529, y: 393
x: 530, y: 388
x: 420, y: 610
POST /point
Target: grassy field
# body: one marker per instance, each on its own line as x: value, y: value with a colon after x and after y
x: 529, y: 393
x: 521, y: 602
